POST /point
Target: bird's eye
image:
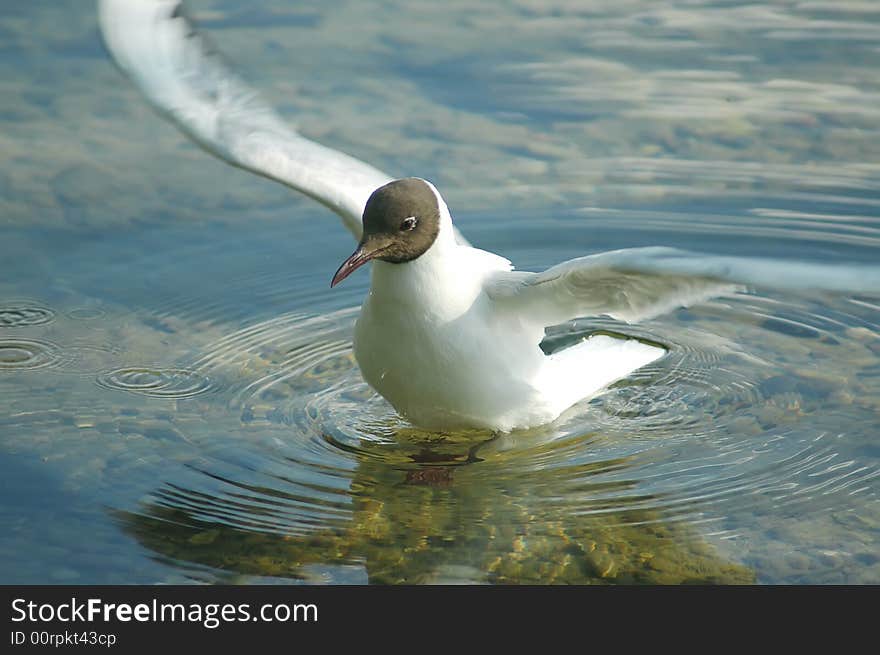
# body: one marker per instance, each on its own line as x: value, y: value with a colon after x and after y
x: 408, y: 224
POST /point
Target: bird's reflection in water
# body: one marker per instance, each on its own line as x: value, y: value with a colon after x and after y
x: 442, y: 509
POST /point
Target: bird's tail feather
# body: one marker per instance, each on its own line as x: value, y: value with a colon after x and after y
x: 583, y: 369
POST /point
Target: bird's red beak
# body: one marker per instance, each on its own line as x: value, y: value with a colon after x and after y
x: 358, y: 258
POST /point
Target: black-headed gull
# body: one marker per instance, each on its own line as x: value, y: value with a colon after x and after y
x: 448, y: 334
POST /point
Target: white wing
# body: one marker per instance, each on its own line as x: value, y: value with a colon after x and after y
x: 157, y: 46
x: 641, y: 283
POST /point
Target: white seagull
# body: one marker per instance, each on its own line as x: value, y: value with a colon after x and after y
x: 448, y: 334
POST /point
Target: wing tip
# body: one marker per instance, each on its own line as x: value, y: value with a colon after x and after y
x: 126, y: 24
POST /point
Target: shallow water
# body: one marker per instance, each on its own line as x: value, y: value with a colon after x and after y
x: 179, y: 399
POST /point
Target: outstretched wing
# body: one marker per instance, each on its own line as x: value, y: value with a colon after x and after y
x: 641, y: 283
x: 157, y: 46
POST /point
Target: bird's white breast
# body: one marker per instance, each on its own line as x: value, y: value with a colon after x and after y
x: 431, y: 342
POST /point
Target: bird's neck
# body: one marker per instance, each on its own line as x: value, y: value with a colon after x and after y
x: 436, y: 283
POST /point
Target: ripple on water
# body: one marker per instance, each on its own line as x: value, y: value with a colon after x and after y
x: 86, y: 358
x: 157, y: 382
x: 24, y: 315
x: 87, y: 313
x: 25, y: 354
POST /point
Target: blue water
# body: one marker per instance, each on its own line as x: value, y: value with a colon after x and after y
x: 178, y: 400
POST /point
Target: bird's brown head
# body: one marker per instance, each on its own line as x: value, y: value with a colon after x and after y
x: 401, y: 222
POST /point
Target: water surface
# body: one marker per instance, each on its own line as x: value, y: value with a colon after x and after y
x: 179, y: 399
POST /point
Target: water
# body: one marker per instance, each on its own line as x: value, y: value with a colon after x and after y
x: 179, y: 398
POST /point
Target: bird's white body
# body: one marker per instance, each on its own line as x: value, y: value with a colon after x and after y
x: 433, y: 342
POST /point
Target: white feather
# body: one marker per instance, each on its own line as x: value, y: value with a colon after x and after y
x: 157, y: 46
x: 640, y: 283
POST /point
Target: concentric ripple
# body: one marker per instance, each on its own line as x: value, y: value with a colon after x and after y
x: 16, y: 315
x: 86, y: 313
x: 25, y: 354
x: 86, y: 358
x: 156, y: 382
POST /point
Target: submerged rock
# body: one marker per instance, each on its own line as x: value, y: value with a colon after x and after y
x: 412, y: 522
